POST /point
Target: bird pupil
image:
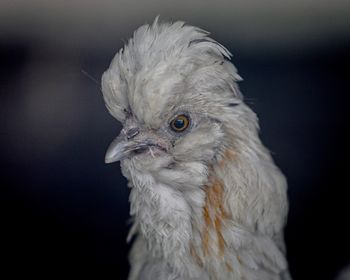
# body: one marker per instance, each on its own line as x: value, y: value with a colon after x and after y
x: 179, y: 123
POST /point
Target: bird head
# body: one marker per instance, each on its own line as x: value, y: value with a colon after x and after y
x: 175, y: 92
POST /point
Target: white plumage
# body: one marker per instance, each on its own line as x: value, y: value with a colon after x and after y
x: 206, y: 198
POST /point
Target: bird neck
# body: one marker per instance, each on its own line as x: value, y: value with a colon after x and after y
x: 208, y: 227
x: 183, y: 228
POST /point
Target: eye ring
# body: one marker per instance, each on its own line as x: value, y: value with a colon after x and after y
x: 180, y: 123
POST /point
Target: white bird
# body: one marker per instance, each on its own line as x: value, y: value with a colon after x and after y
x: 206, y: 198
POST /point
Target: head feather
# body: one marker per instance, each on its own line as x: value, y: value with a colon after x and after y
x: 167, y: 60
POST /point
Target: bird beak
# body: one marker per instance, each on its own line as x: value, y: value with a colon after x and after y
x: 124, y: 144
x: 116, y: 150
x: 121, y: 147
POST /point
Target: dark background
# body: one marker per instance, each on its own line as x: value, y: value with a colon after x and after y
x: 64, y: 212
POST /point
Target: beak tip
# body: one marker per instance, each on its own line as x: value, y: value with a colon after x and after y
x: 109, y: 159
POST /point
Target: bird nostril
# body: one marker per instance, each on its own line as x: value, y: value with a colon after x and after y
x: 132, y: 132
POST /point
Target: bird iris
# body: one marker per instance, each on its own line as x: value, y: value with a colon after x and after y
x: 180, y: 123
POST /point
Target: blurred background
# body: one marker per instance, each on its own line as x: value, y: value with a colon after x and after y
x: 64, y: 212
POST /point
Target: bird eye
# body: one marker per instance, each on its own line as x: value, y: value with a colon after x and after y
x: 180, y: 123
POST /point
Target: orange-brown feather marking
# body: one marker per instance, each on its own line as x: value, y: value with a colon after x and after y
x: 213, y: 210
x: 214, y: 213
